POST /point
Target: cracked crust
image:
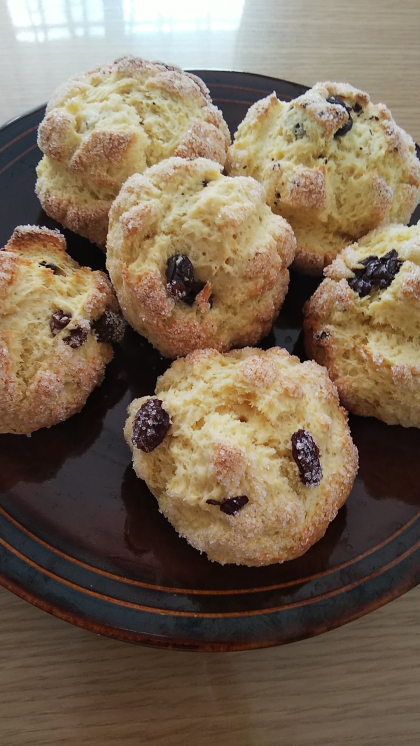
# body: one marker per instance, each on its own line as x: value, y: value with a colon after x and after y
x: 233, y: 417
x: 238, y: 249
x: 370, y: 345
x: 43, y: 379
x: 332, y: 188
x: 106, y: 124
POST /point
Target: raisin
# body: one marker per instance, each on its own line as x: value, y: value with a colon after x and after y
x: 180, y: 276
x: 150, y: 425
x: 349, y: 124
x: 181, y: 283
x: 196, y: 288
x: 231, y: 505
x: 375, y: 272
x: 306, y: 454
x: 59, y: 321
x: 76, y: 337
x: 109, y: 327
x: 49, y: 266
x: 336, y: 101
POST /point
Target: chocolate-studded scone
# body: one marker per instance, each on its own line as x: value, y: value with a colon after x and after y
x: 57, y: 321
x: 363, y: 324
x: 248, y: 454
x: 113, y: 121
x: 332, y: 162
x: 197, y: 258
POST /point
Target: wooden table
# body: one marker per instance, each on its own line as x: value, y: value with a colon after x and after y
x: 356, y: 685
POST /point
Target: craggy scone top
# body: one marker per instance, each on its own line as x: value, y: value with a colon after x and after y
x: 333, y: 163
x: 249, y: 453
x: 197, y: 258
x: 106, y: 124
x: 363, y: 324
x: 57, y: 321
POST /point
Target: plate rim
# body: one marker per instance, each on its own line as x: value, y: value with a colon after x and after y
x: 411, y: 576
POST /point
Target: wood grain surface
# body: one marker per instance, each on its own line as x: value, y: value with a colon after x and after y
x: 356, y: 685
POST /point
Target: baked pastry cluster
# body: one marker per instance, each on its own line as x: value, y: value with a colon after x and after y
x: 248, y: 453
x: 106, y: 124
x: 197, y: 258
x: 57, y: 322
x: 363, y: 324
x: 334, y: 164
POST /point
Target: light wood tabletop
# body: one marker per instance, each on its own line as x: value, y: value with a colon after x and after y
x: 359, y: 684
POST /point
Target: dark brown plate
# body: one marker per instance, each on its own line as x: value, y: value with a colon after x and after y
x: 82, y: 538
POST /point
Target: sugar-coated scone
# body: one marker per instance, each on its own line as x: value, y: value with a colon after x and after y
x: 57, y: 321
x: 248, y: 453
x: 197, y: 258
x: 106, y: 124
x: 332, y: 162
x: 363, y: 324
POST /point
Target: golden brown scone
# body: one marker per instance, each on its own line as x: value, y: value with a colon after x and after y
x: 106, y: 124
x: 333, y: 163
x: 363, y: 324
x: 249, y: 453
x: 57, y: 321
x: 197, y: 259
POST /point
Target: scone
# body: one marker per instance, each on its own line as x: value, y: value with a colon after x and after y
x: 57, y: 321
x: 363, y: 324
x: 197, y: 258
x: 332, y: 162
x: 104, y: 125
x: 248, y: 454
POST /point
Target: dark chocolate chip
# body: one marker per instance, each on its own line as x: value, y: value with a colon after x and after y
x: 306, y: 454
x: 375, y: 272
x: 76, y: 337
x: 204, y: 182
x: 49, y: 266
x: 357, y: 108
x: 59, y: 321
x: 110, y: 327
x: 150, y: 425
x: 213, y: 502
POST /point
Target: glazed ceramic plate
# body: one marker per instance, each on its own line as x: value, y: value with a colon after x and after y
x: 82, y: 538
